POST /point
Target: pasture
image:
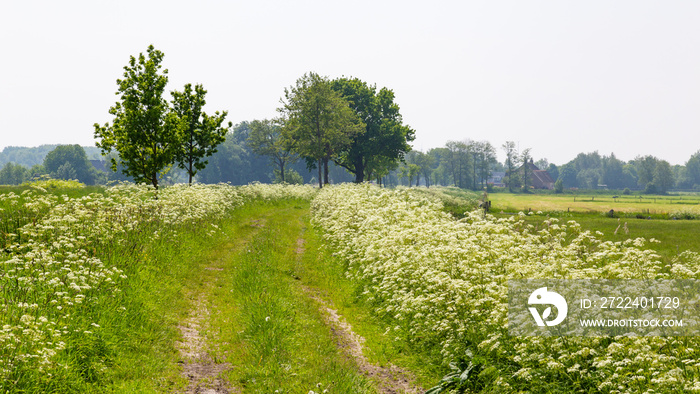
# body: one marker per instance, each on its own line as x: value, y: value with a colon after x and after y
x: 595, y: 203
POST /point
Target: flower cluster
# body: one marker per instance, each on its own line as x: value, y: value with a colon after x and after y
x: 267, y: 192
x: 443, y: 284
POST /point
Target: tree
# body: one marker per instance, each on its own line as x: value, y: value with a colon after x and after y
x: 612, y: 172
x: 319, y: 121
x: 486, y: 157
x: 458, y: 162
x: 424, y: 163
x: 588, y: 178
x: 266, y: 139
x: 65, y: 171
x: 198, y: 133
x: 553, y: 171
x: 144, y: 130
x: 70, y: 162
x: 663, y: 176
x: 559, y: 186
x: 385, y: 137
x: 567, y: 173
x: 511, y: 179
x: 526, y: 173
x: 693, y: 168
x: 13, y: 174
x: 645, y: 169
x: 629, y: 176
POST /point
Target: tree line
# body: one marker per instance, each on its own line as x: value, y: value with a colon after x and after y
x: 470, y: 164
x: 341, y: 129
x: 466, y: 164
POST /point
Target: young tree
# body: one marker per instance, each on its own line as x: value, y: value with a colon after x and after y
x: 318, y: 121
x: 526, y: 174
x: 511, y: 179
x: 144, y: 130
x: 266, y: 139
x: 385, y: 137
x: 198, y: 133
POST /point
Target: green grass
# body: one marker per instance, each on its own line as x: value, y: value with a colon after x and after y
x: 265, y: 325
x: 512, y: 202
x: 675, y: 236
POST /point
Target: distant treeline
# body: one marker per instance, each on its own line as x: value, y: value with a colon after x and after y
x: 473, y: 164
x: 467, y: 164
x: 233, y: 162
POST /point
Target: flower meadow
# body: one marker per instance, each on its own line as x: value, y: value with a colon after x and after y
x: 441, y: 285
x: 66, y: 262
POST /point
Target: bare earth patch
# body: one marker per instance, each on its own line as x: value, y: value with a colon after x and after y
x: 203, y: 374
x: 391, y: 380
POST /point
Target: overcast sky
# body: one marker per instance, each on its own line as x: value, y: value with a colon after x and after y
x: 560, y: 77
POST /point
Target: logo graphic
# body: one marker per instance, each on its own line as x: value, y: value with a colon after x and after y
x: 543, y: 297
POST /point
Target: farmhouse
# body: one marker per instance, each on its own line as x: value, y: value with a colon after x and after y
x: 539, y: 179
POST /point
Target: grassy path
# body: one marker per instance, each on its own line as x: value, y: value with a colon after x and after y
x: 262, y: 316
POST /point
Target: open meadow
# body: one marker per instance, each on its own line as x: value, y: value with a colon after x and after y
x: 670, y: 219
x: 598, y: 203
x: 288, y: 289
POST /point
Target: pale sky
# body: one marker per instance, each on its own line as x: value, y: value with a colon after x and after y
x: 560, y: 77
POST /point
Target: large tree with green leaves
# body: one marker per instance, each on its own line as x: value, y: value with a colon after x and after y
x: 266, y: 139
x: 318, y: 120
x: 385, y: 139
x: 144, y: 130
x: 199, y: 134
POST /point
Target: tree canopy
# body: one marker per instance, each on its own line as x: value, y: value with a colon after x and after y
x: 318, y: 120
x: 385, y: 138
x: 198, y: 133
x: 144, y: 130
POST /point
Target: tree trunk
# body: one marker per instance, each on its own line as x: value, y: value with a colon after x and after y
x: 320, y: 177
x: 154, y: 180
x: 359, y: 171
x: 282, y: 171
x: 325, y: 171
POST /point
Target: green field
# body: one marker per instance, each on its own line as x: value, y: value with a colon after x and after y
x: 510, y: 202
x: 646, y: 216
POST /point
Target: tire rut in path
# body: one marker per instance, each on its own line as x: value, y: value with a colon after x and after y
x: 390, y: 380
x: 203, y: 374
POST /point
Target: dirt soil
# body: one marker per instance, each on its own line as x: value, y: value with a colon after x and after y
x: 203, y: 374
